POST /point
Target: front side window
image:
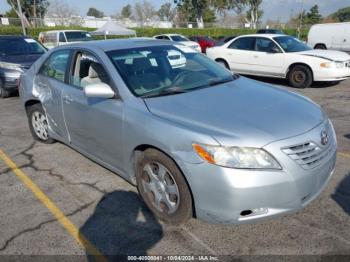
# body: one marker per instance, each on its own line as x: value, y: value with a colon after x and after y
x: 243, y: 43
x: 20, y: 46
x: 154, y: 70
x: 56, y: 66
x: 87, y: 71
x: 265, y: 45
x: 291, y: 44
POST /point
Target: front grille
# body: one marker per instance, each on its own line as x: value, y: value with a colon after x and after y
x: 309, y: 154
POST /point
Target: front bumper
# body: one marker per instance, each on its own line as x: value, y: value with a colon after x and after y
x: 224, y: 195
x: 332, y: 74
x: 10, y: 79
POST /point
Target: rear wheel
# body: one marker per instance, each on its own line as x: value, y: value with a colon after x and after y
x: 320, y: 46
x: 163, y: 187
x: 38, y: 124
x: 300, y: 76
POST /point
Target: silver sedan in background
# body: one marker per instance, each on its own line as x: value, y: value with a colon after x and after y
x: 196, y: 140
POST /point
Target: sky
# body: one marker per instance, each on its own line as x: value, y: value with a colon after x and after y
x: 273, y: 9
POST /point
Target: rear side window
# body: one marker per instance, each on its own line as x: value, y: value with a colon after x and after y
x: 56, y: 66
x: 243, y: 43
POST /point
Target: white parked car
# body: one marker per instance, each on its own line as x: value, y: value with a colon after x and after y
x: 282, y: 56
x: 330, y: 36
x: 180, y: 39
x: 51, y: 39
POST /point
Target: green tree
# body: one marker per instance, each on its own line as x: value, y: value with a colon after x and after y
x: 126, y: 11
x: 166, y: 12
x: 342, y: 15
x: 30, y: 9
x: 313, y: 16
x: 95, y: 12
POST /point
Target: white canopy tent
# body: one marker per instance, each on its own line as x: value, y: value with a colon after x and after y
x: 111, y: 28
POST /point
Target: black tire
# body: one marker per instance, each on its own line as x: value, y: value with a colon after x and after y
x: 300, y: 76
x: 184, y: 209
x: 320, y: 46
x: 223, y: 63
x: 4, y: 93
x: 31, y: 112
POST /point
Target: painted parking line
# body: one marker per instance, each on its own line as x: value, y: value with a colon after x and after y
x: 56, y: 212
x: 344, y: 154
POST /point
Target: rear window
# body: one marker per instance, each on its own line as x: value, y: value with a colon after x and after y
x: 20, y: 46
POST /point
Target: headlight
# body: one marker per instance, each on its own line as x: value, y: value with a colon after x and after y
x: 237, y: 157
x: 10, y: 66
x: 332, y: 65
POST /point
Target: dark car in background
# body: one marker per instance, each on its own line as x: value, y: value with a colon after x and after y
x: 17, y: 54
x: 204, y: 42
x: 270, y: 31
x: 224, y: 39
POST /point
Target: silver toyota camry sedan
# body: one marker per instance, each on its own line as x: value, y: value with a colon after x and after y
x: 196, y: 140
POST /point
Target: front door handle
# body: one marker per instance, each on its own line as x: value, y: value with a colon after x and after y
x: 67, y: 99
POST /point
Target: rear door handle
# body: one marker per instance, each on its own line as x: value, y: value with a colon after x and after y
x: 67, y: 99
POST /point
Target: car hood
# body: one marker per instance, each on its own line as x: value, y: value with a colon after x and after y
x: 331, y: 55
x: 23, y: 60
x: 243, y: 112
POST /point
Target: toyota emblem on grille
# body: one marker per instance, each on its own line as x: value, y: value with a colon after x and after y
x: 324, y: 137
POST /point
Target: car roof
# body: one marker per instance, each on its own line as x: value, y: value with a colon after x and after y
x: 14, y: 37
x: 263, y: 35
x: 59, y: 31
x: 119, y: 44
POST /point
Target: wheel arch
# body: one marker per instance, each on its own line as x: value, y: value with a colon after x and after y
x: 320, y: 44
x: 222, y: 60
x: 137, y: 153
x: 30, y: 103
x: 299, y: 64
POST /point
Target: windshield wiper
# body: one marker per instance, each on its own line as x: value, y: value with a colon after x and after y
x: 215, y: 82
x: 164, y: 92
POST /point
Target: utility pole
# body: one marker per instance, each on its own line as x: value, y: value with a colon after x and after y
x: 301, y: 18
x: 21, y: 16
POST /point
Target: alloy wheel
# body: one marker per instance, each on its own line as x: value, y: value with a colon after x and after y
x: 40, y: 125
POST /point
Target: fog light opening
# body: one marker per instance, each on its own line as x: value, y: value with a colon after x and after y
x: 254, y: 212
x: 245, y: 213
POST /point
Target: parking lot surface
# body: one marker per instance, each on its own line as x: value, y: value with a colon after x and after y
x: 101, y: 210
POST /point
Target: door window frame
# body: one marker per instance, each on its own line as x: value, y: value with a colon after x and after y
x: 47, y: 60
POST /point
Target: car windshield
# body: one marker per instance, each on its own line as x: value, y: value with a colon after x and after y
x: 167, y: 69
x: 78, y: 36
x: 20, y: 46
x: 179, y: 38
x: 291, y: 44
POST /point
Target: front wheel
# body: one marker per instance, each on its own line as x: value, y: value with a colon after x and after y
x: 38, y: 124
x: 300, y: 76
x: 163, y: 187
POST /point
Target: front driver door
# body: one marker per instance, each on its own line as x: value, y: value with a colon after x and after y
x: 94, y: 124
x: 268, y: 58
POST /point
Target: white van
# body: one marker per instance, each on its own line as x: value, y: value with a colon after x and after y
x: 330, y: 36
x: 51, y: 39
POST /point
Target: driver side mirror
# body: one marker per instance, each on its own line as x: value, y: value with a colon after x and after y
x: 274, y: 50
x: 99, y: 90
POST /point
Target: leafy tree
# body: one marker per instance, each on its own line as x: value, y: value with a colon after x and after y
x: 166, y: 12
x: 144, y: 11
x: 126, y: 11
x: 95, y: 12
x: 28, y: 8
x: 254, y: 12
x: 11, y: 13
x: 342, y: 15
x: 313, y: 16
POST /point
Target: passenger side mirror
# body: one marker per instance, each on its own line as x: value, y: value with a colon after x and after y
x: 99, y: 90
